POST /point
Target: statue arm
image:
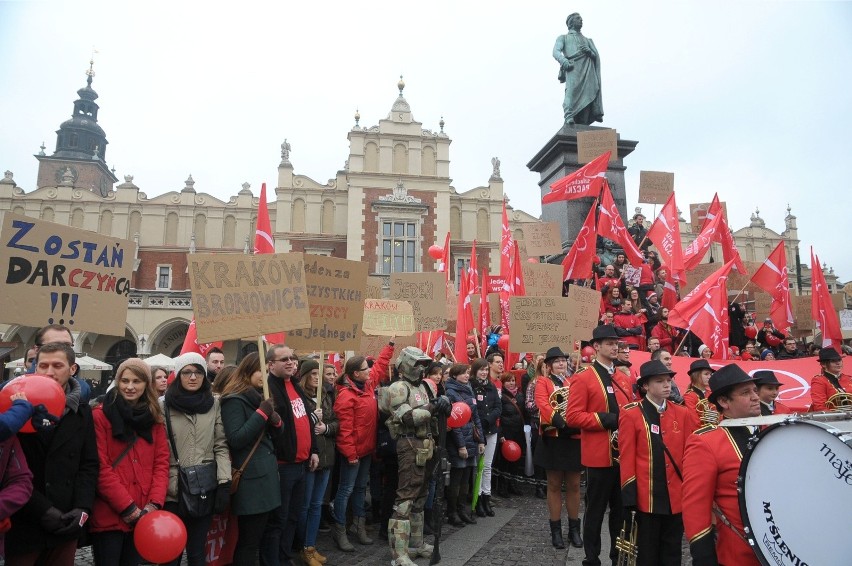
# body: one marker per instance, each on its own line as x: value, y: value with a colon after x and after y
x: 559, y: 52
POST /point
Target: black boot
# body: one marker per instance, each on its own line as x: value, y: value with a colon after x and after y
x: 465, y: 515
x: 427, y: 522
x: 541, y: 492
x: 452, y: 513
x: 556, y: 534
x: 480, y: 506
x: 486, y: 504
x: 574, y: 533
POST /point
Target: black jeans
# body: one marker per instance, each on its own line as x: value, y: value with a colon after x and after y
x: 196, y: 537
x: 603, y: 488
x: 658, y: 539
x: 114, y: 548
x: 250, y: 529
x: 280, y: 531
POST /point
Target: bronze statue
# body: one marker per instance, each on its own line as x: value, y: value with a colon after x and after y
x: 580, y: 70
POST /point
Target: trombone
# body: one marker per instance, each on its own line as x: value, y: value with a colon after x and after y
x: 627, y: 548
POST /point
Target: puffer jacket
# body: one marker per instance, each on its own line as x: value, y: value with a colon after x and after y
x: 358, y: 414
x: 16, y: 480
x: 463, y: 436
x: 489, y: 405
x: 325, y: 441
x: 199, y: 439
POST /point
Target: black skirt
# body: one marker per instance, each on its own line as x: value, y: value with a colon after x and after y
x: 558, y: 453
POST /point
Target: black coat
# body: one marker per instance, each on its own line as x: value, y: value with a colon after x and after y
x: 64, y: 463
x: 512, y: 419
x: 488, y: 404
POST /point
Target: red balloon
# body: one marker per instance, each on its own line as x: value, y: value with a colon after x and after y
x: 773, y: 340
x: 511, y: 451
x: 459, y: 416
x: 159, y: 537
x: 40, y: 389
x: 596, y: 260
x: 589, y: 352
x: 533, y: 260
x: 751, y: 332
x: 436, y: 251
x: 503, y: 343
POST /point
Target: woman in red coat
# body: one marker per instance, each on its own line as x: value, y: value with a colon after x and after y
x: 134, y: 463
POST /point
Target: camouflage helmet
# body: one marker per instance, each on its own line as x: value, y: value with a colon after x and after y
x: 412, y: 363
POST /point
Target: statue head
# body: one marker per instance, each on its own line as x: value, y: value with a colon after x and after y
x: 574, y: 21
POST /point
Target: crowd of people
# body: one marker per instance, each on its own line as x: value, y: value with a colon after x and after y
x: 337, y: 449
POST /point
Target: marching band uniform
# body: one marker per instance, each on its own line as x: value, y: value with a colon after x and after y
x: 766, y: 377
x: 694, y: 394
x: 651, y: 477
x: 711, y: 465
x: 776, y: 408
x: 827, y: 384
x: 597, y: 393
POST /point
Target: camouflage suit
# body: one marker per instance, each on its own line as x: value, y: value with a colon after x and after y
x: 411, y: 403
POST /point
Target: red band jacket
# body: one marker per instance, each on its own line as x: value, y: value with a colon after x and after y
x: 822, y: 388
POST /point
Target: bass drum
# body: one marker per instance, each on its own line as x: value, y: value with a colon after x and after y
x: 796, y: 494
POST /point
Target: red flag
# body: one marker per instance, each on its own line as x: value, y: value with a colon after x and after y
x: 519, y: 288
x: 704, y: 311
x: 665, y: 235
x: 578, y: 262
x: 484, y: 312
x: 584, y: 182
x: 772, y: 278
x: 695, y: 251
x: 669, y: 298
x: 190, y: 343
x: 444, y: 262
x: 729, y: 247
x: 334, y: 360
x: 464, y: 321
x: 505, y: 246
x: 611, y: 226
x: 822, y: 308
x: 264, y: 243
x: 473, y: 272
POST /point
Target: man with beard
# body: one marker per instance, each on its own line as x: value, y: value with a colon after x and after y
x: 215, y: 361
x: 667, y: 335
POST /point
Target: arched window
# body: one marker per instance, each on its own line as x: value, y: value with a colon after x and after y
x: 134, y: 225
x: 427, y: 160
x: 171, y: 229
x: 105, y: 226
x: 327, y: 222
x: 47, y: 214
x: 297, y: 220
x: 400, y: 159
x: 229, y: 234
x: 77, y: 218
x: 483, y: 225
x: 19, y: 210
x: 371, y: 158
x: 200, y: 230
x: 518, y: 235
x: 455, y: 223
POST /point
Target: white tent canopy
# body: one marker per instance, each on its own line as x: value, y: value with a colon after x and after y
x: 86, y: 363
x: 161, y: 360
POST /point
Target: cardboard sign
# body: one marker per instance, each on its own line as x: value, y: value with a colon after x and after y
x: 427, y: 294
x: 585, y: 309
x: 493, y: 309
x: 698, y: 212
x: 593, y: 143
x: 541, y: 238
x: 374, y: 288
x: 632, y: 275
x: 543, y: 279
x: 56, y: 274
x: 845, y: 319
x: 452, y: 302
x: 838, y: 300
x: 383, y: 317
x: 539, y: 323
x: 655, y: 187
x: 243, y: 296
x: 336, y: 295
x: 372, y: 345
x: 801, y: 308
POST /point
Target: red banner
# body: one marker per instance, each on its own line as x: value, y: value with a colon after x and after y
x: 221, y: 539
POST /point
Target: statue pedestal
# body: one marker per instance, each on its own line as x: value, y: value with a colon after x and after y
x: 558, y: 158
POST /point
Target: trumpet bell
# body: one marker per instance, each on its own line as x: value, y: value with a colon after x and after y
x: 839, y: 402
x: 559, y: 400
x: 707, y: 413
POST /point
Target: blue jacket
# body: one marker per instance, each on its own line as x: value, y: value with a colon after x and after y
x: 463, y: 436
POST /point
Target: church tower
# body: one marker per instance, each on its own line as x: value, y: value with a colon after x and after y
x: 79, y: 159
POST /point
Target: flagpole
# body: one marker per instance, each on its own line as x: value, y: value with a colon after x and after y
x: 321, y: 379
x: 476, y: 341
x: 679, y: 346
x: 428, y: 344
x: 261, y: 353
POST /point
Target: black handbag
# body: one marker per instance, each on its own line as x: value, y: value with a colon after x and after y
x: 196, y: 484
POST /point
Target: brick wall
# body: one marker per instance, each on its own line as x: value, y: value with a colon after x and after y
x: 145, y: 277
x: 372, y: 229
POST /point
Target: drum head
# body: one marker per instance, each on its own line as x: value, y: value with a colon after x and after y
x: 797, y: 492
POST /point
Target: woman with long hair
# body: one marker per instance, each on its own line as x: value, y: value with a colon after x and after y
x: 194, y: 425
x: 558, y: 451
x: 161, y: 379
x: 317, y: 480
x: 222, y: 378
x: 490, y: 408
x: 512, y: 422
x: 358, y: 414
x: 533, y: 419
x: 250, y: 420
x: 134, y: 463
x: 464, y: 445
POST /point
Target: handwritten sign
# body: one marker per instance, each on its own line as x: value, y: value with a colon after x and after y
x: 493, y: 309
x: 593, y: 143
x: 698, y: 212
x: 56, y: 274
x: 632, y: 275
x: 541, y: 238
x: 427, y: 294
x: 241, y: 296
x: 372, y: 345
x: 845, y: 319
x: 543, y: 279
x: 585, y: 309
x: 539, y: 323
x: 452, y: 302
x: 655, y: 186
x: 374, y: 288
x: 335, y: 289
x: 383, y: 317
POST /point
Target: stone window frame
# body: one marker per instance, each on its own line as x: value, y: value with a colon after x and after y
x: 157, y: 285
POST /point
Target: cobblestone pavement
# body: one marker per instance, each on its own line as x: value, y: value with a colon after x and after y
x: 523, y: 540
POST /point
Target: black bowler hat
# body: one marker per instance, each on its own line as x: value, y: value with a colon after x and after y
x: 699, y: 364
x: 652, y: 368
x: 829, y: 355
x: 603, y: 332
x: 554, y: 352
x: 766, y: 377
x: 621, y: 363
x: 726, y: 377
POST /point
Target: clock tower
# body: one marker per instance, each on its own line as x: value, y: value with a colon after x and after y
x: 79, y: 159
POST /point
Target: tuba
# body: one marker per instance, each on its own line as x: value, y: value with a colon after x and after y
x: 839, y: 402
x: 559, y: 401
x: 707, y: 414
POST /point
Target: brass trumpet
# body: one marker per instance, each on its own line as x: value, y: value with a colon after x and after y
x: 559, y: 400
x: 839, y: 402
x: 613, y: 444
x: 707, y: 413
x: 627, y: 548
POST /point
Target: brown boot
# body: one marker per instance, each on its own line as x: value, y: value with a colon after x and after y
x: 308, y: 556
x: 319, y: 556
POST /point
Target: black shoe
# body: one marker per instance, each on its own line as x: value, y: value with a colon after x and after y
x: 556, y: 534
x: 480, y: 507
x: 540, y: 492
x: 464, y: 515
x: 486, y: 504
x: 454, y: 519
x: 574, y: 533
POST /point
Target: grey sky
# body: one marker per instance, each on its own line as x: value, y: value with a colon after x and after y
x: 750, y: 99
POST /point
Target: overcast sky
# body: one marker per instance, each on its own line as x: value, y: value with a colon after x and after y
x: 750, y: 99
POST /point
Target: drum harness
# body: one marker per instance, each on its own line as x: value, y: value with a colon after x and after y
x: 718, y: 511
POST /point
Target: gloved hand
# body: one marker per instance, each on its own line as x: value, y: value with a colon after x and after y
x: 52, y: 521
x: 557, y: 421
x: 132, y: 514
x: 267, y: 407
x: 151, y: 507
x: 274, y: 419
x: 42, y: 420
x: 223, y: 497
x: 442, y: 405
x: 74, y: 521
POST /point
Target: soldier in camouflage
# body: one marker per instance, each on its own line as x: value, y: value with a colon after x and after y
x: 414, y: 409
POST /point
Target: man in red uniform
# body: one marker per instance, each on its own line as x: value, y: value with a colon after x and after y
x: 629, y: 326
x: 767, y: 389
x: 831, y: 381
x: 699, y: 377
x: 711, y: 464
x: 597, y: 394
x: 651, y: 437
